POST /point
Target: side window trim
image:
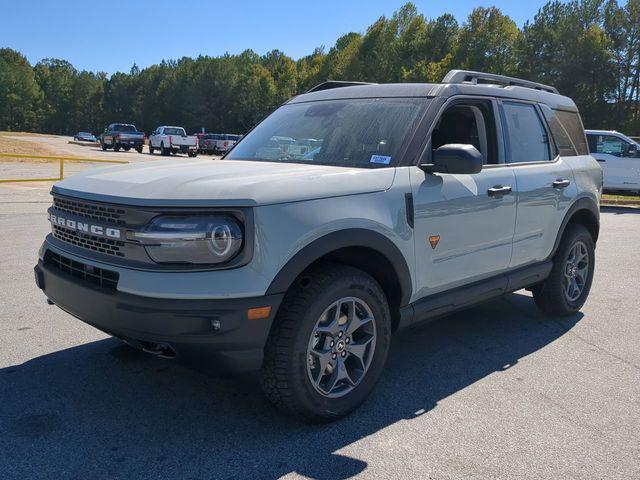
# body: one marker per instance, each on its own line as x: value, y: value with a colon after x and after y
x: 426, y: 149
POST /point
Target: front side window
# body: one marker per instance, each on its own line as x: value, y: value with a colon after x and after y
x: 363, y: 133
x: 527, y: 139
x: 608, y: 144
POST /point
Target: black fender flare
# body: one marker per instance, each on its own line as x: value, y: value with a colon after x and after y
x: 352, y: 237
x: 584, y: 203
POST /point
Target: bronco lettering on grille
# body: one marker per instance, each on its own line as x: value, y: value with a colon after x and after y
x: 85, y: 227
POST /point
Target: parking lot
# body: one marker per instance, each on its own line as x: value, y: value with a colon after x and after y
x: 497, y: 391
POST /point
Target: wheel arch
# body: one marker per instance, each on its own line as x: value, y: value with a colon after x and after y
x: 584, y: 212
x: 364, y: 249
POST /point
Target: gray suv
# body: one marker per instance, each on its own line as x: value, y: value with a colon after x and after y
x: 415, y: 201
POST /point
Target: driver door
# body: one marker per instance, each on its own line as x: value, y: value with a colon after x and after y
x: 464, y: 224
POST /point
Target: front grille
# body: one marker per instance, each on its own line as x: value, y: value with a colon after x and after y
x: 97, y: 276
x: 91, y: 242
x: 101, y: 213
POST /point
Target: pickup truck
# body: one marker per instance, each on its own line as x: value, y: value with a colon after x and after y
x: 173, y: 140
x: 419, y: 200
x: 122, y: 135
x: 216, y: 143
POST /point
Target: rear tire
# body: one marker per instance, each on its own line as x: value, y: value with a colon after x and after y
x: 150, y: 149
x: 566, y: 289
x: 103, y: 146
x: 139, y: 149
x: 163, y: 151
x: 309, y: 352
x: 116, y: 148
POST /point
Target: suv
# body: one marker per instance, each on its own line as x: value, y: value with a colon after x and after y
x: 619, y: 157
x: 422, y: 199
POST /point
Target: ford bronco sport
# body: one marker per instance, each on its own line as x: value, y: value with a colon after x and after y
x: 417, y: 200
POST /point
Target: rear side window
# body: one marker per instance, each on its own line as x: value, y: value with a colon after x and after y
x: 560, y: 135
x: 573, y: 125
x: 527, y: 139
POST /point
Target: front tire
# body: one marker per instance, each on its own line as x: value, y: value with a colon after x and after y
x: 328, y: 345
x: 566, y: 289
x: 103, y: 146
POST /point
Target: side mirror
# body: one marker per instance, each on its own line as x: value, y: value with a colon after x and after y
x: 632, y: 151
x: 455, y: 158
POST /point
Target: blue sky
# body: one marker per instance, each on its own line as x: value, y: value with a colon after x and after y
x: 110, y: 36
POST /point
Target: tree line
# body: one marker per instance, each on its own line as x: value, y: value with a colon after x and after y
x: 588, y: 49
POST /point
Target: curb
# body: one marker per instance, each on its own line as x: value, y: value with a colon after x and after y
x: 620, y: 203
x: 84, y: 144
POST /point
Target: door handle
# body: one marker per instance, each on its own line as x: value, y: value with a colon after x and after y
x: 561, y: 183
x: 499, y: 190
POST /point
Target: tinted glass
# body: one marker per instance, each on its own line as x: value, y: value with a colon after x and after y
x: 560, y: 136
x: 526, y: 136
x: 366, y: 133
x: 124, y: 128
x: 573, y: 125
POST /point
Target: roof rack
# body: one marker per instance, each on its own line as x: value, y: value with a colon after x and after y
x: 336, y: 84
x: 466, y: 76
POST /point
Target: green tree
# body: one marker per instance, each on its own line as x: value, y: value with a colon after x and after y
x: 20, y: 95
x: 488, y: 42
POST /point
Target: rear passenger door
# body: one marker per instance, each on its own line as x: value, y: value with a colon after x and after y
x: 545, y: 184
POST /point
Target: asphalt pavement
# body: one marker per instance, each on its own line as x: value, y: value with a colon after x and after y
x: 497, y: 391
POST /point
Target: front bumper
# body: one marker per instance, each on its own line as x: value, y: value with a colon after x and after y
x: 215, y: 329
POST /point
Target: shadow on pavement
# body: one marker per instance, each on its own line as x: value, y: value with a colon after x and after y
x: 619, y: 210
x: 103, y: 410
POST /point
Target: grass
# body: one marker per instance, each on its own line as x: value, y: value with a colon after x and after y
x: 10, y: 144
x: 621, y: 198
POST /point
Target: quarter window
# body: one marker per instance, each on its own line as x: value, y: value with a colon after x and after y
x: 527, y: 139
x: 573, y: 125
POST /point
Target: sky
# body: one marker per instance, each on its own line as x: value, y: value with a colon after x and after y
x: 111, y: 36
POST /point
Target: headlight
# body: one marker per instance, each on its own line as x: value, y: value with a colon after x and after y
x: 191, y: 239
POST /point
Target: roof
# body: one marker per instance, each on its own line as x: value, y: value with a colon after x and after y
x: 457, y: 82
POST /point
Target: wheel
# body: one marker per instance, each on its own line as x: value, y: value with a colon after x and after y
x: 163, y: 151
x: 328, y: 345
x: 567, y: 287
x: 116, y: 147
x: 192, y: 154
x: 127, y: 148
x: 139, y: 149
x: 104, y: 147
x: 151, y: 150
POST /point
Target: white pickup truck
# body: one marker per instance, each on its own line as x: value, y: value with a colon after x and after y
x: 173, y: 140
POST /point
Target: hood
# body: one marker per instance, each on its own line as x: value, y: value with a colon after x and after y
x: 221, y: 183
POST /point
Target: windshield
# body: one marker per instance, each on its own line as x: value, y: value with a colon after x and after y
x: 175, y: 131
x: 365, y: 133
x: 124, y: 128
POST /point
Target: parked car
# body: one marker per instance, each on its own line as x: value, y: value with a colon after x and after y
x: 218, y: 143
x: 423, y: 199
x: 122, y: 135
x: 170, y: 140
x: 85, y: 137
x: 619, y: 157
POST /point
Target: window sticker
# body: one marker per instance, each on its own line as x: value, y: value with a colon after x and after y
x: 381, y: 159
